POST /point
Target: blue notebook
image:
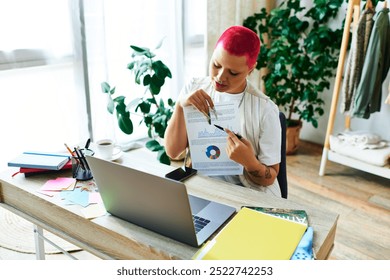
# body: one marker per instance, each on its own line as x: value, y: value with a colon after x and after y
x: 40, y: 160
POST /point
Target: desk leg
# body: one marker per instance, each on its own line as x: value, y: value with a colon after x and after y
x: 39, y: 243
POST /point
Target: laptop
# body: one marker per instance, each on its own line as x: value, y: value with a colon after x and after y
x: 157, y: 203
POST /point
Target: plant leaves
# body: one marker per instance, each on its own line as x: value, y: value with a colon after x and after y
x: 154, y: 89
x: 105, y: 87
x: 152, y: 100
x: 139, y: 72
x: 160, y: 43
x: 131, y: 65
x: 125, y: 123
x: 150, y: 74
x: 147, y: 80
x: 302, y: 54
x: 144, y: 106
x: 154, y: 145
x: 140, y: 50
x: 133, y: 103
x: 161, y: 70
x: 163, y: 157
x: 110, y: 105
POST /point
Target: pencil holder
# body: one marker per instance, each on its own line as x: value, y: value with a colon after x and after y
x: 80, y: 171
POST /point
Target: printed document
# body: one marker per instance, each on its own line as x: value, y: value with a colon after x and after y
x: 208, y: 143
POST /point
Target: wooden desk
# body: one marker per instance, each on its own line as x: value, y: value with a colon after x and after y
x: 109, y: 237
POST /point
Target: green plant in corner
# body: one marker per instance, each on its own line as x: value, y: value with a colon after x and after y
x: 151, y: 74
x: 301, y: 55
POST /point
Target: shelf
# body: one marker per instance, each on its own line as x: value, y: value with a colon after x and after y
x: 353, y: 15
x: 383, y: 171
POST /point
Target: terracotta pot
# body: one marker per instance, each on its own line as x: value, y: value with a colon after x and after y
x: 292, y: 137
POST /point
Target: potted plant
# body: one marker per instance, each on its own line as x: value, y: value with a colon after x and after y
x: 300, y: 57
x: 150, y: 73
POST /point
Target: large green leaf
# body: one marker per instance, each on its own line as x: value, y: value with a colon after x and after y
x: 158, y: 81
x: 163, y: 157
x: 154, y: 88
x: 125, y: 123
x: 161, y: 70
x: 147, y: 80
x: 154, y: 145
x: 144, y: 107
x: 148, y: 120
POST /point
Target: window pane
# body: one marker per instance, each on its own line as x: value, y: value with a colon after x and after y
x: 40, y: 102
x: 42, y: 25
x: 112, y: 27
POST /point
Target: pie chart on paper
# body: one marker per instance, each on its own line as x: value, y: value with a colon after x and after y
x: 213, y: 152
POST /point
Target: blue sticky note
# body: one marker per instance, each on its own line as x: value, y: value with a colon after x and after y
x: 77, y: 196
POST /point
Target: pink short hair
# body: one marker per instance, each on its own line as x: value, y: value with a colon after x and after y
x: 239, y: 41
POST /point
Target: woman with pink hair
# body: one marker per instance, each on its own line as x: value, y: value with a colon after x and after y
x: 258, y: 151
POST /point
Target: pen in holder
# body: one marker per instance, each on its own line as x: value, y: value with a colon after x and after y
x: 80, y: 167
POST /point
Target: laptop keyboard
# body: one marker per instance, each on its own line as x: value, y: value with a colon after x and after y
x: 199, y: 223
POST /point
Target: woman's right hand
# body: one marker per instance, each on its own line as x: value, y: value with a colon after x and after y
x: 199, y: 99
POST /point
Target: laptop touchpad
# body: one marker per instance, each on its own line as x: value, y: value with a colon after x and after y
x: 197, y: 204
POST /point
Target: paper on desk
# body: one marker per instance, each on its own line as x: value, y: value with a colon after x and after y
x: 94, y: 198
x: 94, y: 211
x: 208, y: 143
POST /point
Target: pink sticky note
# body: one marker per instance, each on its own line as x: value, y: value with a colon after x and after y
x: 58, y: 184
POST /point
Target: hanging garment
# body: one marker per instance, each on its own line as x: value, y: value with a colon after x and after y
x: 356, y: 56
x: 368, y: 94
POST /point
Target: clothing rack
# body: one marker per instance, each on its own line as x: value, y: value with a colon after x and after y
x: 353, y: 12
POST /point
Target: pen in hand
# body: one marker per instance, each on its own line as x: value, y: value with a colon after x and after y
x: 207, y: 117
x: 214, y: 112
x: 221, y: 128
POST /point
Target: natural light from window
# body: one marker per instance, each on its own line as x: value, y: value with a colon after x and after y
x: 43, y: 101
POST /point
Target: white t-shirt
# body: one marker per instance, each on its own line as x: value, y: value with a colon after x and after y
x: 260, y: 124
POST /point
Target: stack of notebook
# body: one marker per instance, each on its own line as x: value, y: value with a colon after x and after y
x: 31, y: 163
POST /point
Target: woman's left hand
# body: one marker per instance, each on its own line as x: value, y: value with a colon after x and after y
x: 240, y: 150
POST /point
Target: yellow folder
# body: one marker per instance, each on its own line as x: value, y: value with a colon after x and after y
x: 252, y: 235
